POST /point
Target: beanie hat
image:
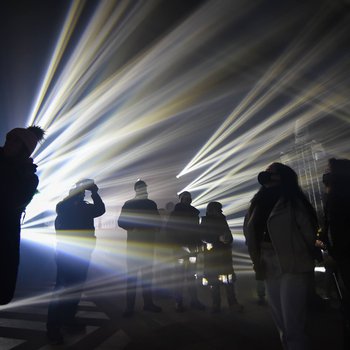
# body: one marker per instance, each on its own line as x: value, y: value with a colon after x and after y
x: 30, y: 136
x: 139, y: 184
x: 184, y: 193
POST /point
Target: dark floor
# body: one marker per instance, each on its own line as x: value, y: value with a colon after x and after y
x: 22, y: 325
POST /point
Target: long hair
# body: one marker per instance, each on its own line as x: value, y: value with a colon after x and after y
x: 289, y: 188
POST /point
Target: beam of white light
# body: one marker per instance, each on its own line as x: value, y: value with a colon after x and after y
x: 242, y: 142
x: 86, y: 53
x: 96, y: 127
x: 172, y: 51
x: 276, y: 78
x: 250, y: 138
x: 318, y: 111
x: 282, y: 132
x: 115, y: 87
x: 103, y: 286
x: 68, y: 27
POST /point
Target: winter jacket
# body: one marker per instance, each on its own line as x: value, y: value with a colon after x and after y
x: 18, y: 184
x: 183, y: 227
x: 292, y: 234
x: 141, y: 219
x: 217, y: 260
x: 78, y: 215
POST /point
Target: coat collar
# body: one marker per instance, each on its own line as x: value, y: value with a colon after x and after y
x: 279, y: 207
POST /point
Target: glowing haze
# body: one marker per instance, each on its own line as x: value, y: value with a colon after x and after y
x: 201, y: 101
x: 202, y: 78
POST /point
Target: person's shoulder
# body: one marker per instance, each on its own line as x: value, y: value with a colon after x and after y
x: 222, y: 217
x: 178, y: 206
x: 129, y: 203
x: 194, y: 210
x: 204, y: 219
x: 180, y: 209
x: 150, y: 203
x: 60, y: 206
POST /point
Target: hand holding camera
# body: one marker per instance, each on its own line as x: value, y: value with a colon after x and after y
x: 88, y: 185
x: 93, y: 188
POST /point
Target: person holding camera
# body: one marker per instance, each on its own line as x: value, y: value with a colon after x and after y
x: 74, y: 224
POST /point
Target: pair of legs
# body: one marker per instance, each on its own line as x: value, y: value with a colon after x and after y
x: 9, y: 262
x: 216, y: 294
x: 185, y: 277
x: 70, y: 278
x: 131, y: 285
x: 9, y: 259
x: 139, y: 261
x: 288, y: 296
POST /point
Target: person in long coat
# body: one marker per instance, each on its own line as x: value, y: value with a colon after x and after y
x: 139, y: 216
x: 281, y: 230
x: 218, y: 266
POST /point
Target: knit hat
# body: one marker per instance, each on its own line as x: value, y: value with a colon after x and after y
x: 30, y: 136
x: 140, y: 184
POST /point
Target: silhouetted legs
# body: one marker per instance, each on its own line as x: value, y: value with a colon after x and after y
x: 288, y: 296
x: 9, y: 260
x: 70, y: 278
x: 185, y: 277
x: 229, y: 287
x: 139, y: 260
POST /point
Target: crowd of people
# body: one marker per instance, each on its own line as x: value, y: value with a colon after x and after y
x: 281, y: 230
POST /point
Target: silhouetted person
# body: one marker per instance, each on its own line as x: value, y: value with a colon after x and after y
x: 140, y: 218
x: 18, y: 184
x: 184, y: 236
x: 169, y: 207
x: 280, y: 229
x: 75, y: 235
x: 218, y: 267
x: 163, y: 252
x: 337, y: 226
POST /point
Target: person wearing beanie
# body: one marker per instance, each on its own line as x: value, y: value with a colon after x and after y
x: 18, y: 184
x: 140, y: 218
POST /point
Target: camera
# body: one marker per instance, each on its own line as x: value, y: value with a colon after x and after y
x: 86, y: 184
